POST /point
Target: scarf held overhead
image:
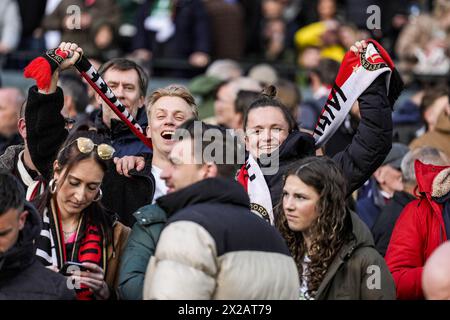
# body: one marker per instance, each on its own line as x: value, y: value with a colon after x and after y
x: 356, y: 74
x: 41, y: 69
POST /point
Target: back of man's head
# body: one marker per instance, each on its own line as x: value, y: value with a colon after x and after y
x: 436, y: 275
x: 77, y: 90
x: 289, y: 94
x: 326, y: 71
x: 244, y: 99
x: 12, y: 194
x: 12, y: 215
x: 213, y: 144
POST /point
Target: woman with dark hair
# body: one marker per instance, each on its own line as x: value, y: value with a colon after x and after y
x: 76, y: 228
x: 274, y: 142
x: 333, y: 249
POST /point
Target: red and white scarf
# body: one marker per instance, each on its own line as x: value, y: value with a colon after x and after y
x: 89, y: 244
x: 356, y: 73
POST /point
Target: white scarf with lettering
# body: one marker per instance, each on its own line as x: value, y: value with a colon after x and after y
x: 357, y: 72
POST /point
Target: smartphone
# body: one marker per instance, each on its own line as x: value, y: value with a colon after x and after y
x: 69, y: 267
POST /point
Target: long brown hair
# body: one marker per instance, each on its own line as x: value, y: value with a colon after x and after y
x: 68, y: 156
x: 330, y: 230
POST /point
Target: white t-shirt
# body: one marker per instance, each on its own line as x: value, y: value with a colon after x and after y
x: 160, y: 185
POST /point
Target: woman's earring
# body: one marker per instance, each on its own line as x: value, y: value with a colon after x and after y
x: 52, y: 186
x: 99, y: 195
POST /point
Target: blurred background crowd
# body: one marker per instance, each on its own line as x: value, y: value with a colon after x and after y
x: 296, y: 45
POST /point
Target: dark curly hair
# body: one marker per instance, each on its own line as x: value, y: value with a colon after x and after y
x: 332, y: 227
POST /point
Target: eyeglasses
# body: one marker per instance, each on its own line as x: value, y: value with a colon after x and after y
x: 86, y: 145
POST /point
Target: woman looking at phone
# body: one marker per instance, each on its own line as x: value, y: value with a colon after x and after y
x: 76, y: 228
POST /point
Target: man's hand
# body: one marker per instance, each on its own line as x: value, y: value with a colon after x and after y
x: 358, y: 47
x: 125, y: 164
x: 75, y: 54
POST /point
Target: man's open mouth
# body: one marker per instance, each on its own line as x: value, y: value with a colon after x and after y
x: 167, y: 134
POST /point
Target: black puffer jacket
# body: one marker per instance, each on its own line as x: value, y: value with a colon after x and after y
x: 22, y: 277
x: 367, y: 151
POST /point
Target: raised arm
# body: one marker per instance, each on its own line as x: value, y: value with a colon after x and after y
x: 44, y: 123
x: 373, y: 139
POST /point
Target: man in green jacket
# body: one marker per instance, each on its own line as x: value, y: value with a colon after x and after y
x: 141, y: 245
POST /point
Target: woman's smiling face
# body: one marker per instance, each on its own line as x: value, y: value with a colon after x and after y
x: 266, y: 130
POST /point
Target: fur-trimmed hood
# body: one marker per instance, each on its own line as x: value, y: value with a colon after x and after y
x: 432, y: 180
x: 441, y: 184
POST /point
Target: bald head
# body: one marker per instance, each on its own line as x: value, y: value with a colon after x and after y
x: 436, y: 274
x: 11, y: 99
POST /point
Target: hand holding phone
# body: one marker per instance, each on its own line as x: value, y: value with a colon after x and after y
x: 70, y: 267
x: 94, y: 279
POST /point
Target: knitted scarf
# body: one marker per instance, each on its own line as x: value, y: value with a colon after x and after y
x: 356, y: 74
x: 89, y: 245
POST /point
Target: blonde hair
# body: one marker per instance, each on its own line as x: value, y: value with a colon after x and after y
x: 172, y: 90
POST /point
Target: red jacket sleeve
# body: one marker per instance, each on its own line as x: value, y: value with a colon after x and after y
x: 404, y: 255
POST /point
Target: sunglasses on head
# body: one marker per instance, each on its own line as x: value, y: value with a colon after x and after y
x: 86, y: 145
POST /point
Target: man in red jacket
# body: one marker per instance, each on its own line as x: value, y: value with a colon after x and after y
x: 423, y: 225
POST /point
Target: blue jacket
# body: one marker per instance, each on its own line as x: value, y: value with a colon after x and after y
x: 122, y: 138
x: 369, y: 208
